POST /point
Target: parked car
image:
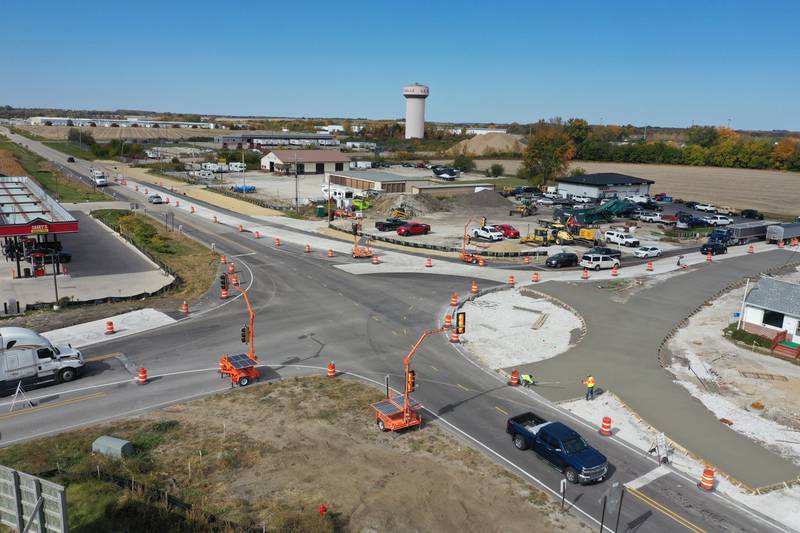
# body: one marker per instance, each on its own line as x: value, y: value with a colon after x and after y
x: 752, y: 214
x: 582, y: 199
x: 445, y: 173
x: 560, y: 445
x: 708, y: 208
x: 691, y: 204
x: 604, y: 250
x: 508, y: 231
x: 620, y: 237
x: 390, y: 224
x: 413, y: 228
x: 155, y: 199
x: 597, y: 261
x: 409, y: 165
x: 650, y: 216
x: 70, y: 159
x: 647, y: 252
x: 713, y: 248
x: 487, y: 232
x: 718, y: 220
x: 545, y: 201
x: 563, y: 259
x: 726, y: 210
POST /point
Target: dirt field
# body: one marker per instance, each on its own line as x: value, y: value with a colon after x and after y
x: 771, y: 191
x: 9, y: 166
x: 59, y: 133
x: 262, y: 454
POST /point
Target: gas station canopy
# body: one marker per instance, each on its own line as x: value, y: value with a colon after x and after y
x: 25, y: 209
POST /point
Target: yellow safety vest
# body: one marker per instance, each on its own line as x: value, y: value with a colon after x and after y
x: 590, y: 382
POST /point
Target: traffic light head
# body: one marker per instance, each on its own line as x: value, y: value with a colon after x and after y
x: 244, y: 333
x: 223, y: 281
x: 412, y: 380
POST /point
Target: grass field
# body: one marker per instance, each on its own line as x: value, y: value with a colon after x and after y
x: 266, y: 456
x: 194, y: 264
x: 71, y: 149
x: 59, y: 186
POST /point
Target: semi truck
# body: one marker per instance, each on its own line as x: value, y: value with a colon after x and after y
x: 560, y: 445
x: 28, y: 358
x: 742, y: 233
x: 783, y: 232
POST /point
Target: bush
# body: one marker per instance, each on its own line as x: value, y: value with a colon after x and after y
x: 463, y: 163
x: 495, y: 170
x: 746, y: 337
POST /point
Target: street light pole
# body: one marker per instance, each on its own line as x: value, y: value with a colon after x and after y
x: 296, y: 199
x: 55, y: 278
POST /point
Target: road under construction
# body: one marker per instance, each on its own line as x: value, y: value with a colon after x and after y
x: 309, y: 313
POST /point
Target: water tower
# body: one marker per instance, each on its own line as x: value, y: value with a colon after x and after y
x: 415, y: 110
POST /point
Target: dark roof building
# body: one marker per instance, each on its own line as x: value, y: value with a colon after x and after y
x: 603, y: 185
x: 604, y: 179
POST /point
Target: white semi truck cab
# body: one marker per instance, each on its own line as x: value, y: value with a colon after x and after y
x: 27, y: 357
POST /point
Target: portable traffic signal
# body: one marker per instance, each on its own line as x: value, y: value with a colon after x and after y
x: 461, y: 322
x: 412, y: 380
x: 483, y: 221
x: 223, y: 281
x: 245, y: 333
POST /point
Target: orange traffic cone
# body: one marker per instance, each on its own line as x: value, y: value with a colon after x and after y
x: 141, y: 379
x: 235, y: 280
x: 605, y: 427
x: 223, y: 294
x: 536, y: 277
x: 585, y: 274
x: 110, y: 328
x: 511, y: 280
x: 257, y: 234
x: 474, y: 288
x: 709, y: 257
x: 750, y: 249
x: 330, y: 252
x: 223, y: 260
x: 166, y: 199
x: 307, y: 248
x: 215, y: 219
x: 794, y: 242
x: 428, y: 263
x: 277, y: 241
x: 707, y: 481
x: 614, y: 271
x: 649, y: 266
x: 231, y: 268
x: 514, y: 378
x: 448, y: 321
x: 454, y: 300
x: 454, y: 337
x: 526, y: 260
x: 374, y: 259
x: 241, y: 228
x: 331, y: 370
x: 177, y: 203
x: 185, y: 308
x: 481, y: 261
x: 781, y: 244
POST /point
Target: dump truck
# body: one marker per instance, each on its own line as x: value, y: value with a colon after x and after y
x: 560, y: 445
x: 783, y: 232
x: 743, y: 233
x: 27, y: 358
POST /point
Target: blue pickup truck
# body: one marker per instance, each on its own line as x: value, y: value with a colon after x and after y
x: 562, y: 446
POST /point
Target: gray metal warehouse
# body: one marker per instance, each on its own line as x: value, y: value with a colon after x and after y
x: 603, y: 185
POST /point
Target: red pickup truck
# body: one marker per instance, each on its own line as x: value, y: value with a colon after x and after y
x: 413, y: 228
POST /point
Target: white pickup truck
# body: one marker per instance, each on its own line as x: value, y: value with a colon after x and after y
x: 29, y: 358
x: 487, y: 232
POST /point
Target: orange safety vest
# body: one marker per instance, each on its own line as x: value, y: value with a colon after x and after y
x: 589, y: 382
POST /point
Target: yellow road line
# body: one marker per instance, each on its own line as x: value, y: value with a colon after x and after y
x: 52, y: 405
x: 102, y: 357
x: 667, y: 512
x: 462, y: 386
x: 501, y: 410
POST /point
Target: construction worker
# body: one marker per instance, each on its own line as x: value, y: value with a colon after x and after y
x: 589, y: 382
x: 527, y: 380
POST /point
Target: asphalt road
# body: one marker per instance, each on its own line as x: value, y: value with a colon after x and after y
x: 309, y: 313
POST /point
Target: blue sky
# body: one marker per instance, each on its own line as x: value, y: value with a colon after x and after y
x: 658, y: 63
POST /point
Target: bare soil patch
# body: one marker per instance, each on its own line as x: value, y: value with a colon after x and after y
x: 487, y: 144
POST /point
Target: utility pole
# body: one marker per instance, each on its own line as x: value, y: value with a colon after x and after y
x: 296, y: 199
x: 55, y: 278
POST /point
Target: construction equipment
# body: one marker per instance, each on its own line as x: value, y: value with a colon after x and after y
x: 242, y: 367
x: 403, y: 211
x: 400, y: 411
x: 523, y: 210
x: 539, y: 237
x: 559, y: 233
x: 464, y: 255
x: 360, y: 250
x: 593, y: 215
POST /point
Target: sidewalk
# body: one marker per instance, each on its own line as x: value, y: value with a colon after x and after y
x: 83, y: 335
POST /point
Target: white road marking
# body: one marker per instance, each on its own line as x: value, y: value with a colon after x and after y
x: 649, y: 477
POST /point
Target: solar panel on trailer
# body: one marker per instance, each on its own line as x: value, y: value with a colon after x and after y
x: 387, y: 408
x: 240, y: 361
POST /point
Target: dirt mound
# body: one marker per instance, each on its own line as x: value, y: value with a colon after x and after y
x: 9, y: 166
x: 414, y: 204
x: 479, y: 200
x: 490, y: 143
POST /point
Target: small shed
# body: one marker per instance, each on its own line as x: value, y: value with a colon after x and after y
x: 112, y: 447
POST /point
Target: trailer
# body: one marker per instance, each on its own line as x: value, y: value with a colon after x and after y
x: 783, y: 232
x: 742, y: 233
x: 240, y: 367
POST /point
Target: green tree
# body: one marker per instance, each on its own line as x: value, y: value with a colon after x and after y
x: 705, y: 136
x: 547, y: 155
x: 495, y: 170
x: 578, y: 130
x: 464, y: 163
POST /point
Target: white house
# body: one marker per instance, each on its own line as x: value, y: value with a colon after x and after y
x: 603, y: 185
x: 307, y: 161
x: 773, y: 306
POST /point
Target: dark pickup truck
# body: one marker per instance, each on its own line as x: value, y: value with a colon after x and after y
x: 563, y: 447
x: 390, y: 224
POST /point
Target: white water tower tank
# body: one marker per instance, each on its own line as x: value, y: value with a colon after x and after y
x: 415, y: 110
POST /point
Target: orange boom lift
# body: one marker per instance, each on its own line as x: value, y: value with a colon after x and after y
x: 400, y: 411
x: 241, y: 367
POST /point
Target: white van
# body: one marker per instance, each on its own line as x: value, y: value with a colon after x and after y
x: 598, y: 261
x: 620, y: 237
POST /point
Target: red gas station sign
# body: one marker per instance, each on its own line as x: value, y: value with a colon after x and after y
x: 38, y: 227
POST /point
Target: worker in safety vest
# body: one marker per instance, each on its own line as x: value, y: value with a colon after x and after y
x: 527, y: 380
x: 589, y: 382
